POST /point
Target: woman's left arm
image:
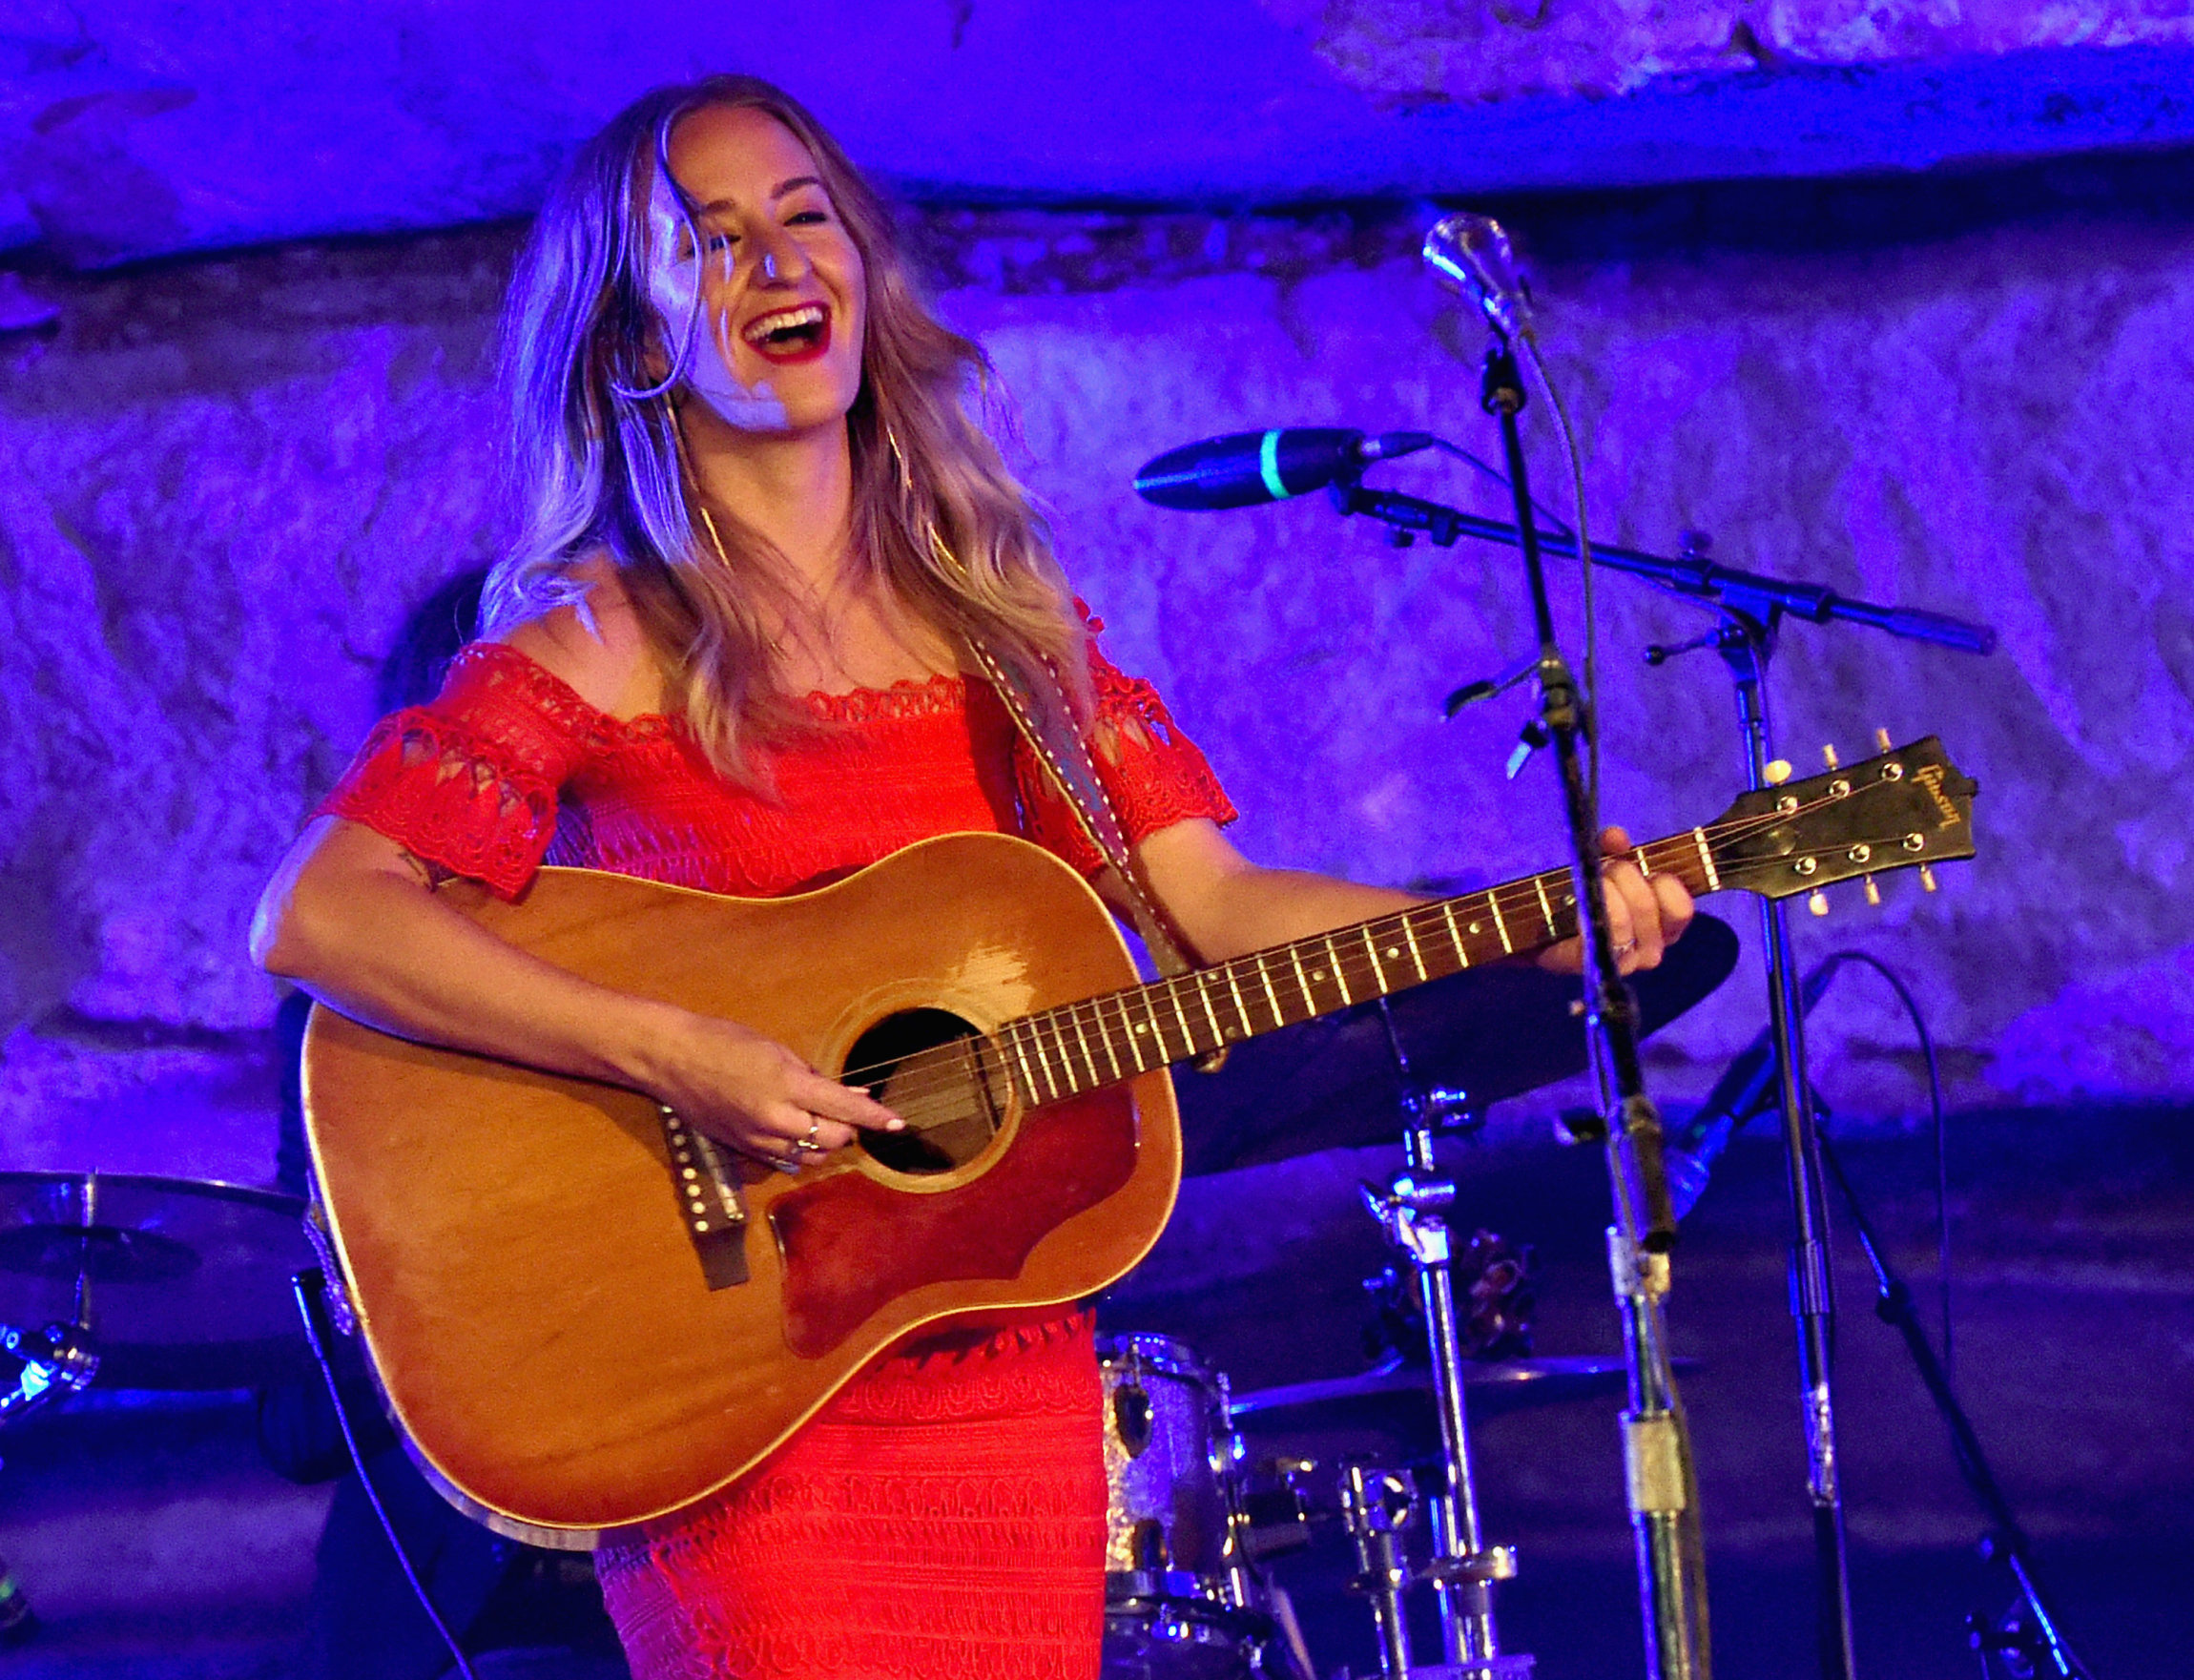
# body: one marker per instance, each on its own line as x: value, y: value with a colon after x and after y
x: 1227, y: 905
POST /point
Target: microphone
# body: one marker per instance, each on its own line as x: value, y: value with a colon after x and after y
x: 1247, y: 468
x: 1471, y: 254
x: 1747, y: 1087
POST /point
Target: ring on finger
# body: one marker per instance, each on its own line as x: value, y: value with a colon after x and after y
x: 810, y: 1145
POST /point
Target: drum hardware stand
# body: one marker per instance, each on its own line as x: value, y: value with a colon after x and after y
x: 1412, y: 1208
x: 58, y: 1360
x: 1751, y: 610
x: 62, y: 1358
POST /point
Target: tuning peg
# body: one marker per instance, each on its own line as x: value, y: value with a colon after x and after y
x: 1874, y: 892
x: 1882, y: 739
x: 1817, y: 902
x: 1927, y: 879
x: 1777, y: 772
x: 1830, y: 754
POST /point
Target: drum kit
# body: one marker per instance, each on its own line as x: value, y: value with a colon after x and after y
x: 160, y: 1283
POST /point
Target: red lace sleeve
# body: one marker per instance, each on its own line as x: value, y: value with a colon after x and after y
x: 1157, y: 776
x: 469, y: 783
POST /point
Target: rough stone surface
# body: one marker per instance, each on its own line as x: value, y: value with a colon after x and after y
x: 139, y: 127
x: 1487, y: 50
x: 221, y: 486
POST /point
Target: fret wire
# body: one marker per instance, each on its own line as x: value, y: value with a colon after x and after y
x: 1154, y: 1025
x: 1081, y: 1038
x: 1500, y: 927
x: 1271, y: 997
x: 1371, y: 949
x: 1128, y: 1027
x: 1022, y: 1035
x: 1455, y: 933
x: 1545, y: 908
x: 1187, y: 1033
x: 1409, y: 933
x: 1241, y: 1009
x: 1340, y: 980
x: 1105, y: 1035
x: 1303, y: 980
x: 1053, y: 1057
x: 1203, y: 990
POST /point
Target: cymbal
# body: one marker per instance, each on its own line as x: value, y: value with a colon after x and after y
x: 1493, y: 1033
x: 189, y: 1279
x: 1404, y: 1394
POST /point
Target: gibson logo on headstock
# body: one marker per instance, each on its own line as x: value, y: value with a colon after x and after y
x: 1930, y: 776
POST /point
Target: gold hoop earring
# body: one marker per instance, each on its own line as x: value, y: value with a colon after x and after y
x: 899, y: 470
x: 701, y: 503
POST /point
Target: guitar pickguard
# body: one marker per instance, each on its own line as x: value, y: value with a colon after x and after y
x: 852, y: 1244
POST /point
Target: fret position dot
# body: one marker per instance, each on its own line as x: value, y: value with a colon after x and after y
x: 701, y: 1225
x: 1394, y: 950
x: 1474, y: 928
x: 1317, y: 974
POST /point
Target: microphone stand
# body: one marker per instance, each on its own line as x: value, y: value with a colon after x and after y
x: 2030, y: 1641
x: 1751, y: 608
x: 1657, y: 1448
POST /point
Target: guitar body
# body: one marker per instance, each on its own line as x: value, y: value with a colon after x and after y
x: 518, y: 1245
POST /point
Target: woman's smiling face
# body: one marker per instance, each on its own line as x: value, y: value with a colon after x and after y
x: 782, y: 289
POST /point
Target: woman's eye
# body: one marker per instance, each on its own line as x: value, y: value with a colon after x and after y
x: 721, y: 242
x: 807, y: 218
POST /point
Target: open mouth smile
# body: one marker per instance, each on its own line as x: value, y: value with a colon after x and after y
x: 800, y: 333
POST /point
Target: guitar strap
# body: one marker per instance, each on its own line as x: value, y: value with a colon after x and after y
x: 1063, y: 748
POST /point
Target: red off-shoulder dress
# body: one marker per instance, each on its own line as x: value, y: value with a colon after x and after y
x: 945, y: 1515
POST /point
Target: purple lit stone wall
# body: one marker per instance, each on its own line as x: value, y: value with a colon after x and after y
x: 223, y: 484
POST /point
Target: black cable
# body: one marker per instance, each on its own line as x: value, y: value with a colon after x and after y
x: 310, y: 1286
x: 1561, y: 526
x: 1941, y: 1145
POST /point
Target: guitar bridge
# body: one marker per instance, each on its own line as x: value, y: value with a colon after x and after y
x: 712, y: 1203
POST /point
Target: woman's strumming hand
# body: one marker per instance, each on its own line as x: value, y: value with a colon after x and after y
x: 752, y: 1092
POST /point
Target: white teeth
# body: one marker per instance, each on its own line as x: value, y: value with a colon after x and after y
x: 806, y: 315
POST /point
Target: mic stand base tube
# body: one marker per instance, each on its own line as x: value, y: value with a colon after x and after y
x: 1663, y: 1486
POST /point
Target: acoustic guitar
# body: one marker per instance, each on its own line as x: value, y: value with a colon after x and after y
x: 585, y: 1315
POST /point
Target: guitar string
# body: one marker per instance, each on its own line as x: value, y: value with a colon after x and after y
x: 1523, y: 896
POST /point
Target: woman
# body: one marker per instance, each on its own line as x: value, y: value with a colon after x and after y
x: 757, y: 533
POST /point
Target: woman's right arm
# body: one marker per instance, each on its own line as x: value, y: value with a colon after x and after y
x: 353, y: 918
x: 350, y: 917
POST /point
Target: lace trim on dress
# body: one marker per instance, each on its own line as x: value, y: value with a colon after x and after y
x: 1157, y: 776
x: 448, y: 798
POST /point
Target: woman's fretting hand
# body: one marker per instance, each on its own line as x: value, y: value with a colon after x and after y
x: 1645, y: 916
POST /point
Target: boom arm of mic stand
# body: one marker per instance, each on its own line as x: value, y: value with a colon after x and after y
x: 1693, y: 576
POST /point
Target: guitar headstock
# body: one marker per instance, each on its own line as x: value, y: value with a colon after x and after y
x: 1900, y: 810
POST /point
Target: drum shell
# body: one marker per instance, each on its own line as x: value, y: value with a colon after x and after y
x: 1169, y: 1462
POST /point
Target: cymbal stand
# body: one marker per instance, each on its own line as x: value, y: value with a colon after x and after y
x: 61, y: 1358
x: 1412, y: 1208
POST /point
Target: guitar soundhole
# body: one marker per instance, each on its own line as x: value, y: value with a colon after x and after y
x: 942, y: 1075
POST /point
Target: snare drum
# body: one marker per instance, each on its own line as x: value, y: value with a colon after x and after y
x: 1180, y: 1600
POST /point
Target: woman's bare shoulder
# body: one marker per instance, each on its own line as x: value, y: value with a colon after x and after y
x: 598, y: 646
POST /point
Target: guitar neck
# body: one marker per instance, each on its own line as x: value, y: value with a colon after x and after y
x: 1080, y: 1046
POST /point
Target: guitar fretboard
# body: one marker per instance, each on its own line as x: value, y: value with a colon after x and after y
x: 1062, y: 1052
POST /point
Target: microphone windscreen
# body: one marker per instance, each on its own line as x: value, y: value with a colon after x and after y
x: 1245, y: 469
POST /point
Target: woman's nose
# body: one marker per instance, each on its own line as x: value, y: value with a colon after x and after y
x: 779, y: 259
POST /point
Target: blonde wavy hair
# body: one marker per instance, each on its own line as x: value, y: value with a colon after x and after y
x: 594, y: 459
